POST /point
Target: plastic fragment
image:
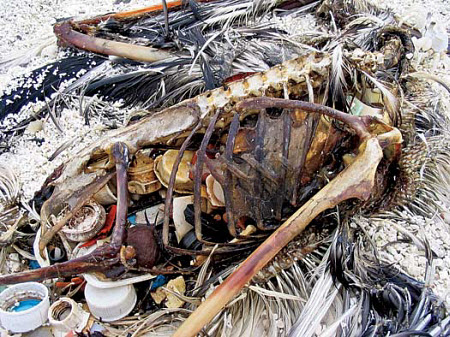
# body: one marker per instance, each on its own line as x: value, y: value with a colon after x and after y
x: 177, y: 286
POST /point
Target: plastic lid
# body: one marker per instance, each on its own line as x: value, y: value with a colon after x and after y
x: 86, y: 222
x: 24, y: 302
x: 110, y: 304
x: 163, y: 170
x: 65, y: 315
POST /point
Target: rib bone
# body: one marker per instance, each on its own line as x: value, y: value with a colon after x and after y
x: 355, y: 181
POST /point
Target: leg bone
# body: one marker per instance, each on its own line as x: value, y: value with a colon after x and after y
x: 356, y: 181
x: 102, y: 258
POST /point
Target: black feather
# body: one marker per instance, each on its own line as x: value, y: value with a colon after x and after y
x: 396, y: 304
x: 44, y: 81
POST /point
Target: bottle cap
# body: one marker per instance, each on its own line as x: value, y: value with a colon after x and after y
x: 85, y: 223
x: 24, y: 307
x: 66, y: 315
x: 110, y: 304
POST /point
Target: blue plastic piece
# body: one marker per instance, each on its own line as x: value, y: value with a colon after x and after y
x: 24, y: 305
x: 159, y: 281
x: 34, y: 264
x: 132, y: 219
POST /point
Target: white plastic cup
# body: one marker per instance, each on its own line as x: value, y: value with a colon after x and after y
x: 110, y: 304
x: 29, y: 319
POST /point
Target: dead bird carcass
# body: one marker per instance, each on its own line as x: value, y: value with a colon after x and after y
x: 268, y: 154
x: 263, y: 143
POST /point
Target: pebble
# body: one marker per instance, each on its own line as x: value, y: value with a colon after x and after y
x: 34, y: 127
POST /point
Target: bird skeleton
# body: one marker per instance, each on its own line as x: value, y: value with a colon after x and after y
x: 296, y: 151
x: 219, y: 109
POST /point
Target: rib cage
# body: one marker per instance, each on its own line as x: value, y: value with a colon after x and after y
x: 291, y: 77
x: 274, y: 170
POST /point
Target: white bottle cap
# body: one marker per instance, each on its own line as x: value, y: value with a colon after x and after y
x: 86, y: 222
x: 29, y: 319
x: 110, y: 304
x: 66, y: 315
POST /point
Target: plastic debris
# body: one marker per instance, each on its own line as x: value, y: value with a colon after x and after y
x: 66, y: 315
x: 24, y: 307
x: 142, y: 176
x: 215, y: 192
x: 110, y: 304
x: 159, y: 281
x: 163, y: 169
x: 85, y: 223
x: 179, y: 219
x: 174, y: 287
x: 169, y: 293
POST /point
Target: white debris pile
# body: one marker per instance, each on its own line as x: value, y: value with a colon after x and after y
x: 26, y: 23
x: 29, y: 157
